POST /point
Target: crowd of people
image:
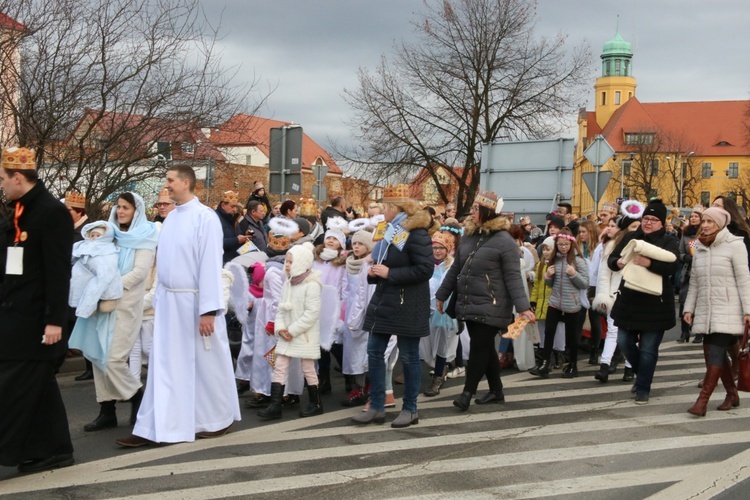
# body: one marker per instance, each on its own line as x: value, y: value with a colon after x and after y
x: 466, y: 296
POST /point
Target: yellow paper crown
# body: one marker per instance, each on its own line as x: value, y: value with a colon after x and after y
x: 486, y: 199
x: 611, y: 206
x: 229, y: 197
x: 18, y: 159
x: 75, y: 200
x: 399, y: 192
x: 308, y: 207
x: 164, y: 197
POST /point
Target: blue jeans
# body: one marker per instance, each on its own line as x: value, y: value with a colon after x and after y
x: 408, y: 353
x: 641, y: 349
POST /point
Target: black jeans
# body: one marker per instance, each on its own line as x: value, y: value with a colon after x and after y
x: 482, y: 357
x: 554, y: 316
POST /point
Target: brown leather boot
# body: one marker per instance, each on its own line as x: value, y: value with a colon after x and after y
x: 727, y: 378
x: 705, y: 359
x: 734, y: 357
x: 709, y: 384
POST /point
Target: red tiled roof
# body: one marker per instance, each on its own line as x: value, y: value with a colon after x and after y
x: 156, y: 130
x: 8, y: 22
x: 248, y: 130
x: 710, y: 128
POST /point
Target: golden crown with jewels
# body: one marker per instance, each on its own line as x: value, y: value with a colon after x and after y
x: 229, y: 197
x: 18, y: 159
x: 399, y: 192
x: 308, y: 207
x: 486, y: 199
x: 75, y: 200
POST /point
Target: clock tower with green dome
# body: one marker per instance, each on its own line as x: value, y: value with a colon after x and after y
x: 616, y: 84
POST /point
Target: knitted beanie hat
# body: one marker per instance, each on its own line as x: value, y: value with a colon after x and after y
x: 720, y: 216
x: 364, y: 237
x: 338, y: 235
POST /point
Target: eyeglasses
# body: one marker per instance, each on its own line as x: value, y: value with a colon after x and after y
x: 163, y: 204
x: 650, y: 220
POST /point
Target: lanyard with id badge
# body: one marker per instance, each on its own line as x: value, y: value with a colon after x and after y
x: 14, y: 262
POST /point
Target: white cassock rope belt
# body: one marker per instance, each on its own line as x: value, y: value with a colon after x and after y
x: 206, y: 341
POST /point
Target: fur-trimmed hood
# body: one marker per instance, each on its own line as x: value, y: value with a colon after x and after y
x: 420, y: 220
x: 497, y: 224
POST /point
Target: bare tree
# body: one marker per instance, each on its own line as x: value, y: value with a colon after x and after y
x: 99, y: 83
x: 477, y: 73
x: 654, y: 160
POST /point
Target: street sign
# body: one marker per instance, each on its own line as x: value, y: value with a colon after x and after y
x: 599, y: 152
x: 590, y: 179
x: 320, y: 192
x: 320, y: 172
x: 285, y: 149
x: 292, y: 183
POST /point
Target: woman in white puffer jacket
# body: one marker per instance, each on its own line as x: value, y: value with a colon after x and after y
x: 718, y: 303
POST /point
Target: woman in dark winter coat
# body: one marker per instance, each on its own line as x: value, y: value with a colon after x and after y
x: 486, y: 276
x: 642, y: 318
x: 401, y: 270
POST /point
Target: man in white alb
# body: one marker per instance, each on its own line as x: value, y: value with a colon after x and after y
x: 190, y: 390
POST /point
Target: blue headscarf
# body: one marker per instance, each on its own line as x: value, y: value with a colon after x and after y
x: 142, y: 235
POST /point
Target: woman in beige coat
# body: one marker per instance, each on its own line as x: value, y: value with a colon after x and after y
x: 136, y: 239
x: 718, y: 303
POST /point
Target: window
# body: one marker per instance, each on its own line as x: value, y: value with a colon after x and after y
x: 706, y: 198
x: 604, y: 98
x: 706, y: 172
x: 655, y: 166
x: 626, y: 193
x: 734, y: 170
x: 654, y: 193
x: 164, y: 149
x: 732, y: 196
x: 684, y: 170
x: 617, y: 97
x: 187, y: 148
x: 248, y: 159
x: 626, y: 166
x: 639, y: 138
x: 617, y: 67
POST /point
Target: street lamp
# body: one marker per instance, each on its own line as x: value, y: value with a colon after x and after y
x: 682, y: 174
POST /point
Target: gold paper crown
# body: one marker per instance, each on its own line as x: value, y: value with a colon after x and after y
x: 279, y: 242
x: 611, y: 206
x: 486, y: 199
x: 75, y: 200
x: 308, y: 207
x: 164, y: 196
x: 399, y: 192
x: 18, y: 159
x: 229, y: 197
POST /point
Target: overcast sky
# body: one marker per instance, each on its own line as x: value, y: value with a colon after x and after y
x: 684, y: 50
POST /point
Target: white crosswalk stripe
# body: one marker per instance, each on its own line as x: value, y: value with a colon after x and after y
x: 552, y: 437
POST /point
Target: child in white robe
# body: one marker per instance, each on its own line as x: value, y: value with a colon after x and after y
x: 297, y: 326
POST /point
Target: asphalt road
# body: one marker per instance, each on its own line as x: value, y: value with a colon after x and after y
x: 562, y: 438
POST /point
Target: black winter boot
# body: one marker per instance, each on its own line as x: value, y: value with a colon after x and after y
x: 273, y: 411
x: 570, y: 370
x: 135, y: 405
x: 107, y: 417
x: 603, y: 374
x: 541, y: 370
x: 314, y: 407
x: 324, y: 384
